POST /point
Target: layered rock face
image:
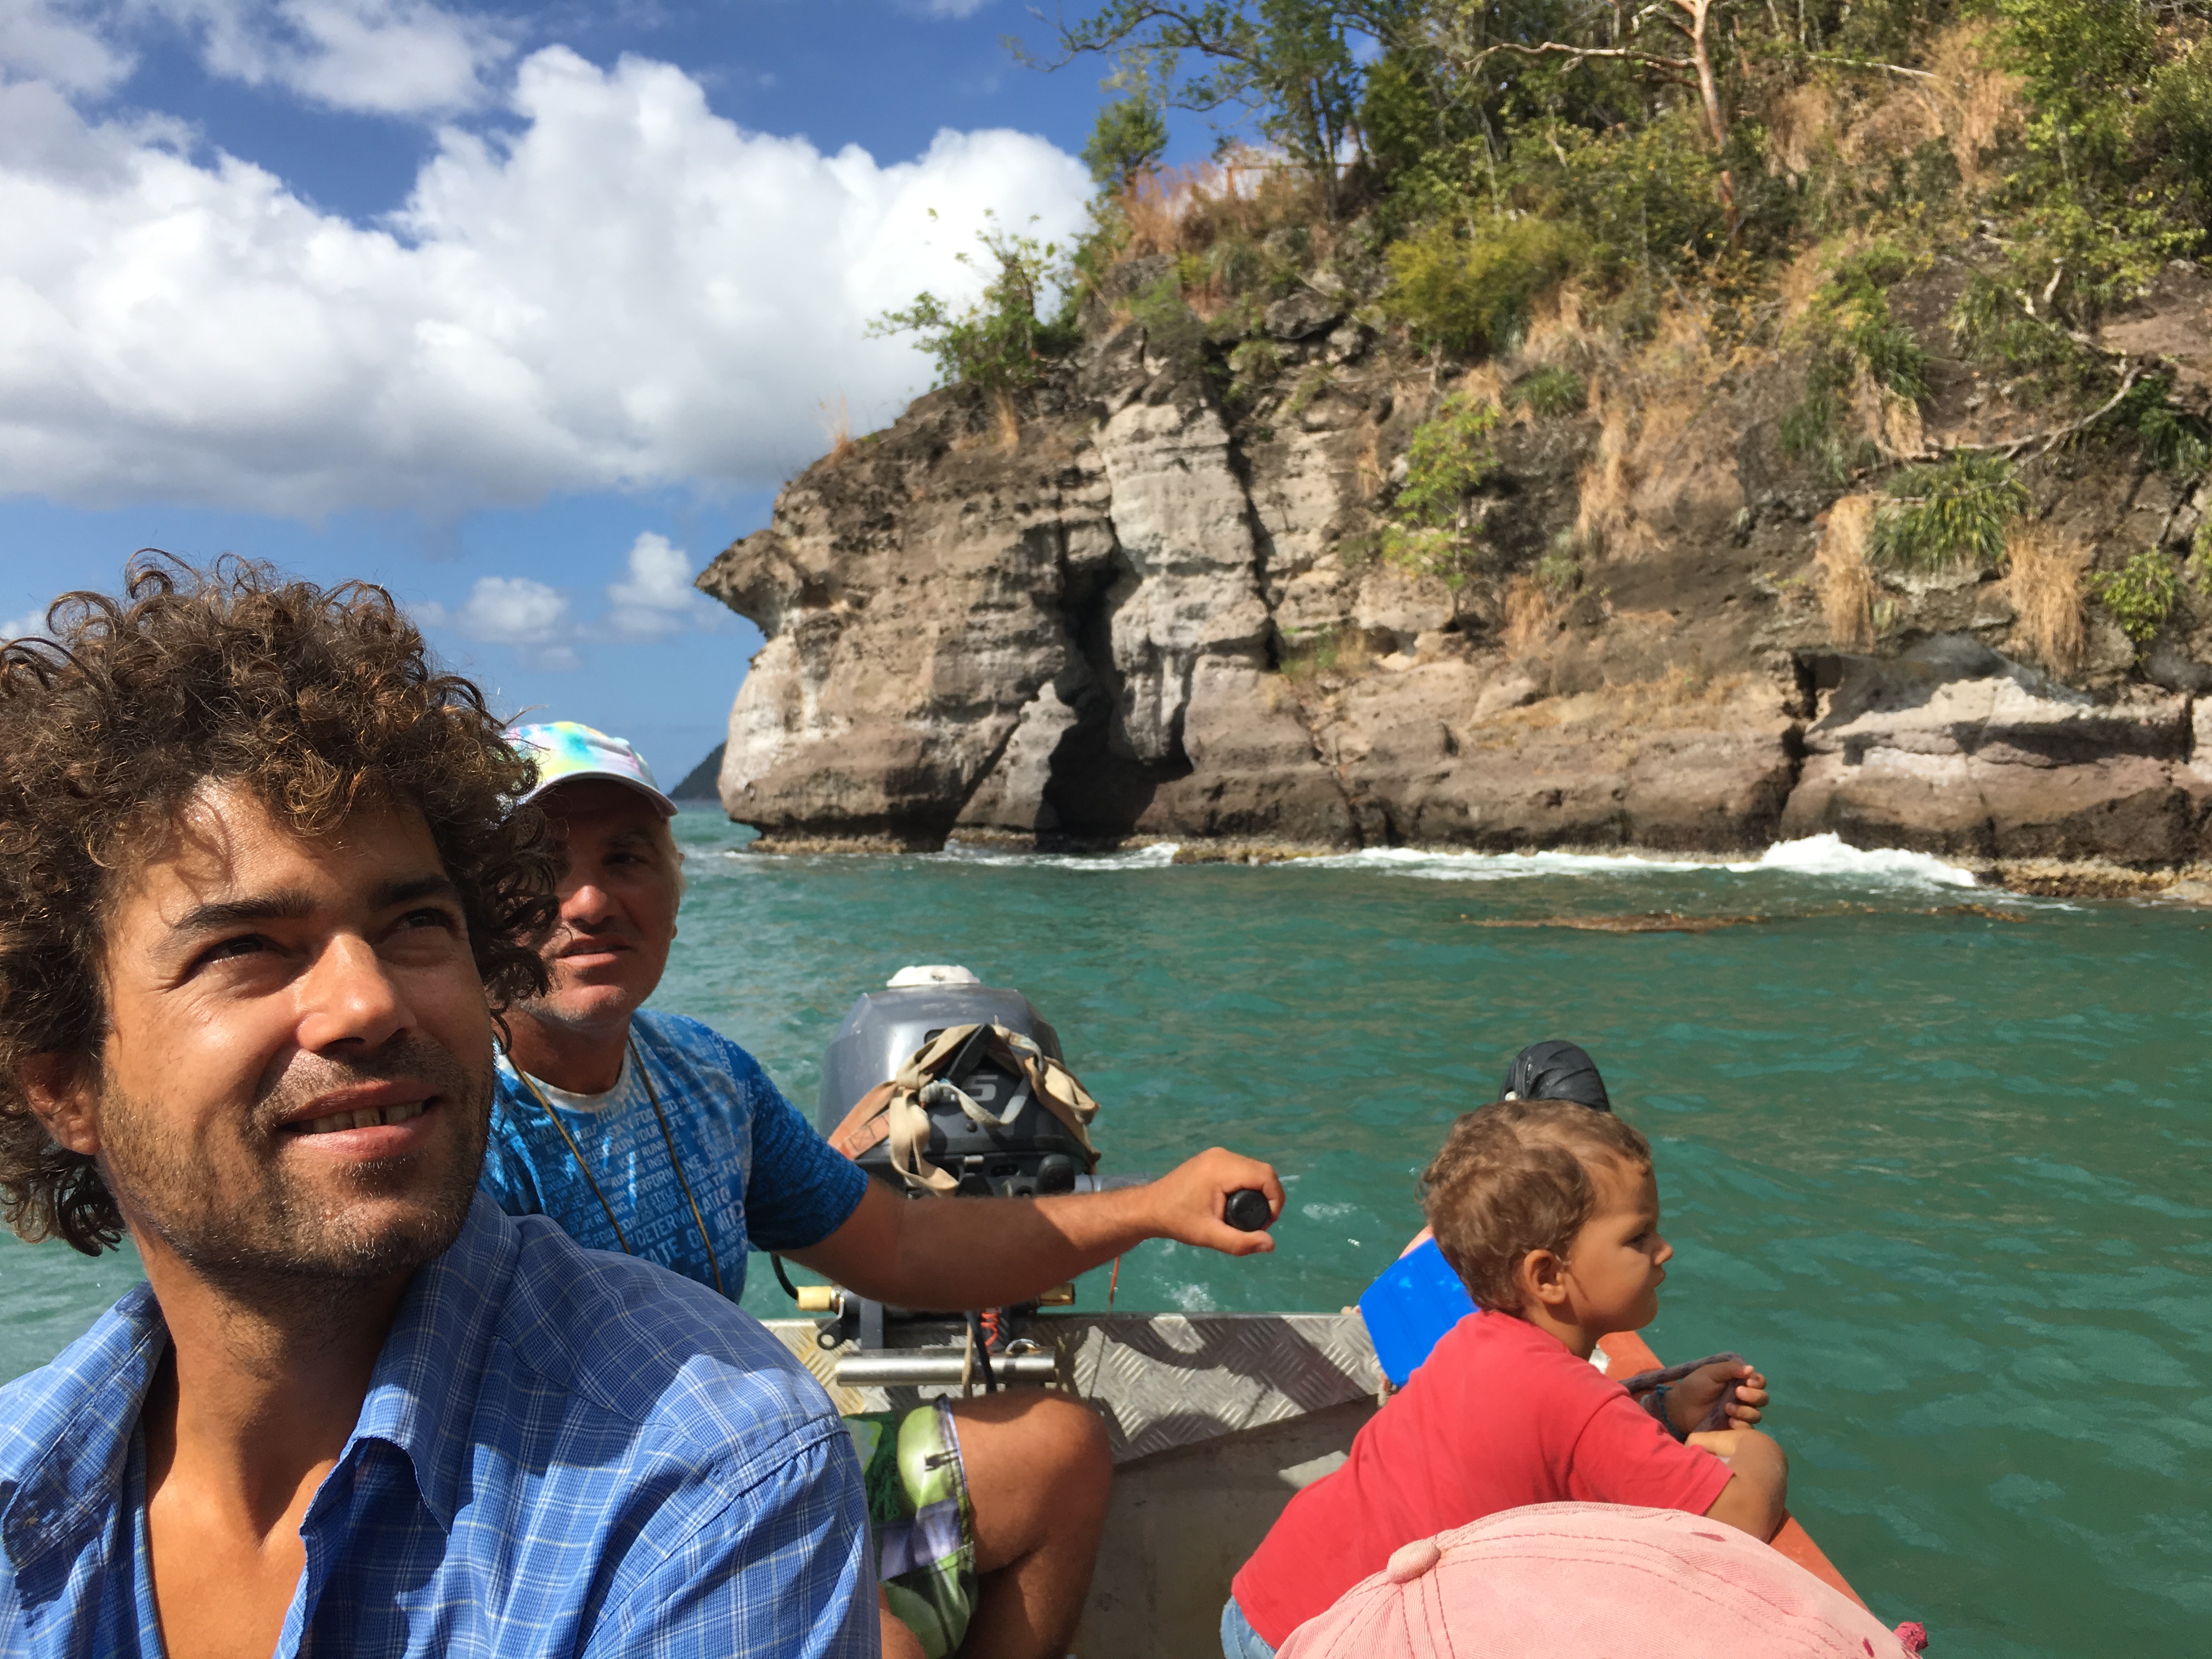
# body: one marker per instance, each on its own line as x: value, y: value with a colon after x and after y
x: 1114, y: 609
x: 1953, y: 750
x: 1064, y: 635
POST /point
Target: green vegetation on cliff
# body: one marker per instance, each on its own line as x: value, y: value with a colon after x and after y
x: 1655, y: 126
x: 1562, y: 188
x: 1489, y: 150
x: 1436, y: 529
x: 999, y: 343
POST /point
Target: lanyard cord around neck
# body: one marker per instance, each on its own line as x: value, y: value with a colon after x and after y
x: 668, y: 1139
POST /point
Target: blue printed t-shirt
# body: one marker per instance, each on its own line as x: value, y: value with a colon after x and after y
x: 562, y: 1455
x: 764, y: 1179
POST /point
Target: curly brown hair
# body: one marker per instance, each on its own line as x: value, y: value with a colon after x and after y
x: 318, y: 700
x: 1515, y: 1177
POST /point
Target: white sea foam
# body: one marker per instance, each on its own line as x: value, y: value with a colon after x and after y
x: 1491, y: 866
x: 1828, y: 855
x: 1155, y: 857
x: 1816, y: 855
x: 1819, y: 856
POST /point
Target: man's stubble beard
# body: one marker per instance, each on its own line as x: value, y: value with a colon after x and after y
x: 240, y: 1224
x: 555, y: 1010
x: 547, y: 1010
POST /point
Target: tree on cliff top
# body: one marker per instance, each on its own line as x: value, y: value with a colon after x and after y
x: 1127, y: 139
x: 1290, y: 65
x: 999, y: 343
x: 1131, y: 133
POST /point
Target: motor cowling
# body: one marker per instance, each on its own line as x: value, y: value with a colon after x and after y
x: 1026, y: 1151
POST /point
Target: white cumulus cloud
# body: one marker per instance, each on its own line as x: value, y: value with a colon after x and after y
x: 384, y: 56
x: 32, y: 625
x: 513, y: 610
x: 656, y: 597
x: 403, y: 57
x: 625, y: 290
x: 61, y: 44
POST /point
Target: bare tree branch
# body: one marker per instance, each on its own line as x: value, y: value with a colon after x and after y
x: 1675, y: 69
x: 1865, y: 64
x: 2013, y: 449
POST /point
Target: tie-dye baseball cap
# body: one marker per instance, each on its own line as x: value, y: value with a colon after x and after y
x: 566, y: 751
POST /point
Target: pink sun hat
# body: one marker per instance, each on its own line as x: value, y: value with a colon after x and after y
x: 566, y: 751
x: 1598, y: 1579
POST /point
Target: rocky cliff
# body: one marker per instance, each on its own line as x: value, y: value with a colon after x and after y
x: 1143, y: 600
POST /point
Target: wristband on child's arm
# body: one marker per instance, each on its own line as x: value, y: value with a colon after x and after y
x: 1648, y: 1390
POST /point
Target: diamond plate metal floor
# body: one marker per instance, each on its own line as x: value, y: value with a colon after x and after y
x: 1162, y: 1380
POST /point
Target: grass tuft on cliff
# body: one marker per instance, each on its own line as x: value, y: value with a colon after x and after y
x: 1954, y: 513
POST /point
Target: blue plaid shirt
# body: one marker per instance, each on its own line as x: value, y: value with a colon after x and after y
x: 561, y: 1452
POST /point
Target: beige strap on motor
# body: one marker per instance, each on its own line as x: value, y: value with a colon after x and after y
x: 896, y: 1110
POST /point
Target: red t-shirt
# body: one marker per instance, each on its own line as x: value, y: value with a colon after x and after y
x: 1500, y: 1415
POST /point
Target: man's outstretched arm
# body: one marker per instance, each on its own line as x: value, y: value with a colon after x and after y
x: 988, y: 1252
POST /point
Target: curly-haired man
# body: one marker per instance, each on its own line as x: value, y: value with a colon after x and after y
x: 263, y: 891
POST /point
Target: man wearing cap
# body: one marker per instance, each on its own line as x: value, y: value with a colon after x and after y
x: 649, y: 1133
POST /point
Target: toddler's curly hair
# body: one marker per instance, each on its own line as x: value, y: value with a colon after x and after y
x: 320, y: 701
x: 1515, y: 1177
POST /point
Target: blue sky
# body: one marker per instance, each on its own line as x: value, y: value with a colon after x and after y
x: 524, y: 312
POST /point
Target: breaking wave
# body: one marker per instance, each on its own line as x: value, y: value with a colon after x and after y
x: 1155, y: 857
x: 1828, y: 855
x: 1816, y: 855
x: 1819, y: 856
x: 1494, y: 867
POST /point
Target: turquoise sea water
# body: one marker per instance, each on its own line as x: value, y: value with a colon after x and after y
x: 1942, y: 1175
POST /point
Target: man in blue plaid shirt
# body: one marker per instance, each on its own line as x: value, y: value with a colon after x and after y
x: 262, y: 890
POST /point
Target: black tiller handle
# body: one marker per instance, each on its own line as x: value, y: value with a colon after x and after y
x: 1247, y: 1210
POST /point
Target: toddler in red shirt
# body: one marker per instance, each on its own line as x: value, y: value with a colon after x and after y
x: 1548, y: 1211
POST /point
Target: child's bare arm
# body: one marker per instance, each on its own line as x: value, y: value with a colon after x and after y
x: 1756, y: 1497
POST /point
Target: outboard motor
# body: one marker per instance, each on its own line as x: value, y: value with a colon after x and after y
x: 1026, y: 1152
x: 986, y: 1135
